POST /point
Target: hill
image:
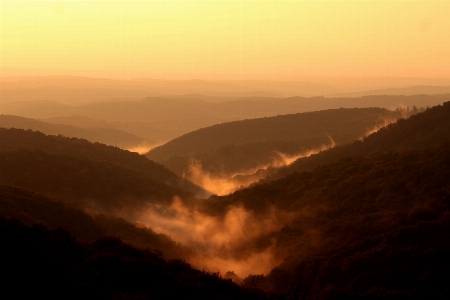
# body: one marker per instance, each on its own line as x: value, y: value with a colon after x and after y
x: 33, y: 208
x: 363, y: 227
x: 340, y: 124
x: 101, y: 183
x: 226, y: 151
x: 417, y: 132
x: 108, y: 136
x: 95, y: 153
x: 51, y: 264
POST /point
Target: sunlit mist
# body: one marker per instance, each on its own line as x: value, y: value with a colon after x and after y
x: 142, y: 148
x: 223, y: 184
x: 219, y: 242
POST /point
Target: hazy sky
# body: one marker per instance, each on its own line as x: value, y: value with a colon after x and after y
x: 225, y: 39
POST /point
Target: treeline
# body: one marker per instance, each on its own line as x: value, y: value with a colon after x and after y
x: 38, y: 262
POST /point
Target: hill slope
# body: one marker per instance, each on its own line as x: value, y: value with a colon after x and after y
x: 286, y: 127
x: 32, y: 208
x: 105, y: 269
x: 417, y: 132
x: 216, y: 157
x: 14, y: 139
x: 106, y: 136
x: 101, y: 183
x: 366, y: 227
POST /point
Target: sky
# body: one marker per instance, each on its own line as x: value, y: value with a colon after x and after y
x: 276, y: 40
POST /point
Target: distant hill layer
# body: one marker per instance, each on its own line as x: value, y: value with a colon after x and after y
x: 236, y: 146
x: 405, y: 91
x: 166, y: 118
x: 95, y: 153
x: 285, y: 127
x: 106, y: 136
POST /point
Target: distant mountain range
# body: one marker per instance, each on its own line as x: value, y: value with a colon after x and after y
x: 161, y: 119
x: 405, y: 91
x: 77, y: 89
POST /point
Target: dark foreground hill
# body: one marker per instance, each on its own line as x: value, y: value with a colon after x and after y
x: 106, y: 136
x: 371, y: 222
x: 32, y: 208
x: 50, y: 264
x: 73, y: 149
x: 242, y: 145
x: 363, y: 228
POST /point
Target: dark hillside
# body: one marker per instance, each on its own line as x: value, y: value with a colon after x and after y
x: 366, y: 227
x: 101, y: 183
x: 51, y: 264
x: 32, y: 208
x: 239, y: 146
x: 13, y: 139
x: 420, y: 131
x: 286, y: 127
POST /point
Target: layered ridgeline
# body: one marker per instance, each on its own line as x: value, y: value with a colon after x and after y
x: 108, y: 136
x: 161, y: 119
x: 369, y: 225
x: 223, y: 151
x: 79, y: 170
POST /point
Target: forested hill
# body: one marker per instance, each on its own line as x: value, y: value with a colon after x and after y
x: 51, y: 264
x: 366, y: 227
x: 32, y: 208
x: 14, y: 139
x: 285, y: 127
x: 106, y: 136
x: 419, y: 131
x: 101, y: 183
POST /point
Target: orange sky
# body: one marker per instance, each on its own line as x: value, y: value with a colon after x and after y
x: 280, y: 40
